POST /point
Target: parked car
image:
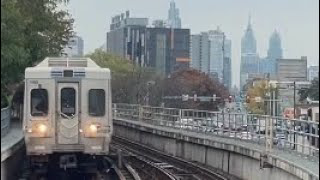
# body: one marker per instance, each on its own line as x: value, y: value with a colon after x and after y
x: 245, y: 135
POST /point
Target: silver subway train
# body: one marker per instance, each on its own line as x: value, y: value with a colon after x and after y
x: 67, y: 107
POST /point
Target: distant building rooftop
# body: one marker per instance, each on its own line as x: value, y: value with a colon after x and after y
x: 123, y: 20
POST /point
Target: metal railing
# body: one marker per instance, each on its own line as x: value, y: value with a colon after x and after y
x: 298, y: 136
x: 5, y: 121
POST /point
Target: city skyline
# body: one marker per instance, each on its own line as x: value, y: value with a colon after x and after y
x: 287, y: 21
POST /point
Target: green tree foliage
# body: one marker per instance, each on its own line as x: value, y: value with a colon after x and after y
x: 4, y: 101
x: 129, y: 82
x: 312, y: 92
x: 13, y: 51
x: 47, y: 29
x: 259, y: 89
x: 30, y: 31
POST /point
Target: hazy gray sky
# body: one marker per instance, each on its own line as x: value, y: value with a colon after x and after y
x: 296, y: 20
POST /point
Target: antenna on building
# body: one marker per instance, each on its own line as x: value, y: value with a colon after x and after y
x: 249, y: 21
x: 172, y: 3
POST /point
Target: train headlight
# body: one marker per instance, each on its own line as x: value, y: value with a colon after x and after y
x: 93, y: 128
x: 42, y: 128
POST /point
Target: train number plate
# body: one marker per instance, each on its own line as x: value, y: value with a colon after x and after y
x: 34, y: 82
x: 96, y: 147
x: 39, y: 147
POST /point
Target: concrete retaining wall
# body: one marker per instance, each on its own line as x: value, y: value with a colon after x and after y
x: 5, y: 121
x: 245, y: 164
x: 12, y: 153
x: 12, y: 166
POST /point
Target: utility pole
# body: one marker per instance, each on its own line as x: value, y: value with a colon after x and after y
x: 294, y: 114
x: 147, y: 97
x: 274, y: 104
x: 294, y: 100
x: 223, y: 70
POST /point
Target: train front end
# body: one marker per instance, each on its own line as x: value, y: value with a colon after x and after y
x: 67, y: 108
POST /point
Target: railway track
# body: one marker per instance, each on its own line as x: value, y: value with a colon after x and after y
x: 102, y: 168
x: 99, y: 168
x: 177, y: 168
x: 138, y: 162
x: 126, y: 172
x: 141, y: 168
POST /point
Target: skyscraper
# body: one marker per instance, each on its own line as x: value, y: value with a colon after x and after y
x: 127, y: 38
x: 195, y: 51
x: 211, y: 54
x: 174, y: 20
x: 168, y: 50
x: 227, y: 65
x: 216, y: 38
x: 275, y: 49
x: 249, y: 56
x: 165, y: 49
x: 74, y: 47
x: 268, y: 64
x: 248, y: 41
x: 200, y: 53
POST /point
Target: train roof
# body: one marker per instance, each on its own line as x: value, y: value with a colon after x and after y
x: 55, y: 67
x: 68, y: 62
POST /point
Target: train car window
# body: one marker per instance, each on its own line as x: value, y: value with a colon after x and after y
x: 68, y: 101
x: 39, y: 102
x: 97, y: 102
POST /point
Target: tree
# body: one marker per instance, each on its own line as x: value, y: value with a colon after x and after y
x: 47, y: 29
x: 30, y: 31
x: 120, y: 71
x: 312, y: 92
x: 135, y: 85
x: 4, y: 101
x: 259, y: 90
x: 13, y: 51
x: 190, y: 81
x: 129, y: 82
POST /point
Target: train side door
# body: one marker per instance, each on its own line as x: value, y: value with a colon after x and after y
x: 68, y: 113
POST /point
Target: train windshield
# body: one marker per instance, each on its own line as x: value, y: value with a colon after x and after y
x: 39, y: 102
x: 97, y: 102
x: 68, y: 101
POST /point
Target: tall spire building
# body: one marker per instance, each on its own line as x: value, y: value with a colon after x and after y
x: 268, y: 64
x: 174, y: 20
x: 248, y: 41
x: 275, y: 49
x: 249, y: 56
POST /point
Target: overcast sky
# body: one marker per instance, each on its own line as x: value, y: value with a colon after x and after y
x: 297, y: 21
